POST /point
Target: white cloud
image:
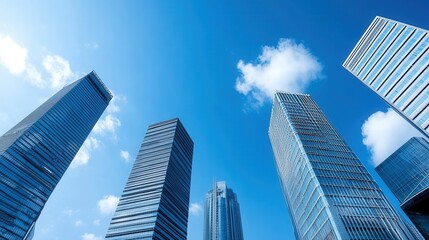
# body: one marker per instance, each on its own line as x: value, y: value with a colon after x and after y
x: 287, y: 67
x: 14, y: 58
x: 108, y: 124
x: 108, y: 204
x: 125, y: 155
x: 96, y: 222
x: 82, y: 157
x: 12, y: 55
x: 384, y: 132
x: 35, y: 76
x: 78, y: 223
x: 59, y: 70
x: 90, y: 236
x: 195, y: 209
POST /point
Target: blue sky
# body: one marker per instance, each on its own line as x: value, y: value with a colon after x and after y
x: 164, y: 59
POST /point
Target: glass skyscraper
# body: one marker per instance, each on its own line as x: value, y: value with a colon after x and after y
x: 155, y: 201
x: 392, y: 59
x: 329, y: 193
x: 222, y: 218
x: 406, y: 173
x: 36, y: 152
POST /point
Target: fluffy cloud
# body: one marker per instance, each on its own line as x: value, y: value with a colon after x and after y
x: 195, y: 209
x: 107, y: 204
x: 125, y: 155
x: 82, y: 157
x: 59, y: 70
x: 287, y: 67
x: 34, y: 76
x: 12, y: 55
x: 384, y: 132
x: 108, y: 124
x: 90, y: 236
x: 14, y: 58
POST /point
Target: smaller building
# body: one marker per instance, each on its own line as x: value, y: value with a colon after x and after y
x: 155, y: 200
x: 406, y: 173
x: 222, y: 218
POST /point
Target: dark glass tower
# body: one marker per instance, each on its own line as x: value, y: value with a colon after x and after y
x: 36, y: 152
x: 329, y: 193
x: 222, y: 218
x: 406, y: 173
x: 155, y: 201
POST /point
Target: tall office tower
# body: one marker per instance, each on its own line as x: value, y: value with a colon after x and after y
x: 329, y: 193
x: 406, y: 173
x: 392, y: 59
x: 222, y: 218
x: 36, y: 152
x: 155, y: 201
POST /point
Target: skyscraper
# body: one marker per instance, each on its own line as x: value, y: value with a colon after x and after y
x: 222, y: 218
x: 392, y: 59
x: 155, y: 201
x: 406, y: 173
x: 36, y: 152
x: 329, y: 193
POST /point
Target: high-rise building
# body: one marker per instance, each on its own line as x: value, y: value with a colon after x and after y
x: 329, y: 193
x: 392, y: 59
x: 406, y: 173
x: 155, y: 201
x: 36, y: 152
x: 222, y: 218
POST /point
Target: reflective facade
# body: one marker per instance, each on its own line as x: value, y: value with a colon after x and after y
x: 30, y: 233
x: 36, y: 152
x: 406, y: 173
x: 392, y: 59
x: 222, y: 218
x: 329, y: 193
x: 155, y: 201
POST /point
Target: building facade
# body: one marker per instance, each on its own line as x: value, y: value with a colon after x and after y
x: 329, y: 193
x: 222, y: 218
x: 392, y: 59
x: 155, y: 201
x: 30, y: 233
x: 36, y: 152
x: 406, y: 173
